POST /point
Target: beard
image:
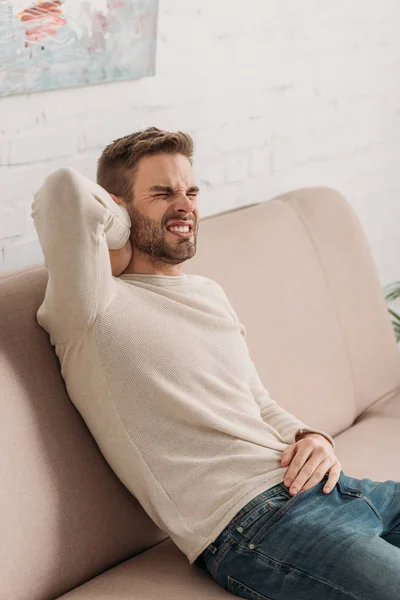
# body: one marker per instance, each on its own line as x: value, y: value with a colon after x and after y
x: 150, y: 238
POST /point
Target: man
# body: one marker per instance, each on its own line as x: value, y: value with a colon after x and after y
x: 156, y: 362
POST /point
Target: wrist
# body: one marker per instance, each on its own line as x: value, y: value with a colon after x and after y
x: 302, y: 434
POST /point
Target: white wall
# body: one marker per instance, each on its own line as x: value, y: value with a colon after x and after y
x: 278, y: 94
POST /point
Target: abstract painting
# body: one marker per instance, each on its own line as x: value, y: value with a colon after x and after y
x: 65, y: 43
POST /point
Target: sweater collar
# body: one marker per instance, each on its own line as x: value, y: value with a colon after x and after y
x: 162, y: 280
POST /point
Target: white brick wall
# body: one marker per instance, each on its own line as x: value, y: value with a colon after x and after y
x: 277, y: 95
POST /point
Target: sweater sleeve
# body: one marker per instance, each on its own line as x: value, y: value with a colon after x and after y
x: 77, y: 222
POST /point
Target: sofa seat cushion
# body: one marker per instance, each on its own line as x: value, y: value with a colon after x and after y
x: 371, y: 448
x: 160, y: 571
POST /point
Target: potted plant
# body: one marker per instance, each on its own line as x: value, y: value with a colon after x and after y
x: 392, y: 293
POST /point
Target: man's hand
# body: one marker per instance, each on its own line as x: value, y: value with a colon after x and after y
x: 310, y: 458
x: 121, y: 258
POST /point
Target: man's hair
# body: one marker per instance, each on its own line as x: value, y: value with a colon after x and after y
x: 117, y: 164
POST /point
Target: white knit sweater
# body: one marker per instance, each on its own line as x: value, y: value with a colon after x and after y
x: 159, y: 369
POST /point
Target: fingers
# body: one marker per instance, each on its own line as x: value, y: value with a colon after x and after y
x: 320, y: 472
x: 310, y: 464
x: 287, y: 455
x: 310, y: 474
x: 333, y: 478
x: 301, y: 468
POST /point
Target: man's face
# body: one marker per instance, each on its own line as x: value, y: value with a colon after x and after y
x: 164, y: 190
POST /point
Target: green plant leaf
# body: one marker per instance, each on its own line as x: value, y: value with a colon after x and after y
x: 394, y: 314
x: 392, y: 291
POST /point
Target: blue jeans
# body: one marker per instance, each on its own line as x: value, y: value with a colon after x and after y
x: 313, y: 546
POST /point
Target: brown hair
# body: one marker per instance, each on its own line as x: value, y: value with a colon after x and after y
x: 119, y: 160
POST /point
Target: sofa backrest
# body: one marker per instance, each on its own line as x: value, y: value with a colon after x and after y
x: 299, y: 273
x: 64, y: 515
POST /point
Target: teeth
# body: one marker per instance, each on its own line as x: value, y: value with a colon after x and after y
x: 183, y: 229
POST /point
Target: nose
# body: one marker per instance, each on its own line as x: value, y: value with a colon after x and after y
x: 183, y: 202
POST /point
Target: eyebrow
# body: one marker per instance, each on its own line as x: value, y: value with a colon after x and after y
x: 169, y: 190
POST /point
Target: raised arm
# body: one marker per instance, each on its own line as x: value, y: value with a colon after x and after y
x: 77, y: 222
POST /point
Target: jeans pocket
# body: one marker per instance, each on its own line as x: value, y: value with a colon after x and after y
x: 240, y: 589
x: 345, y: 489
x: 260, y: 526
x: 253, y: 524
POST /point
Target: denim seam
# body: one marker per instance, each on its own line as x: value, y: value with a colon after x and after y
x: 372, y: 506
x: 264, y: 558
x: 220, y: 555
x: 355, y: 493
x: 327, y: 583
x: 257, y: 501
x: 259, y: 536
x: 234, y: 583
x: 261, y: 509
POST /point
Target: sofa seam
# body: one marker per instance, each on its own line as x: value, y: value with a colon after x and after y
x: 19, y: 272
x: 311, y: 238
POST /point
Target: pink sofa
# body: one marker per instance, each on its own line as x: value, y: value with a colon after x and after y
x: 299, y: 273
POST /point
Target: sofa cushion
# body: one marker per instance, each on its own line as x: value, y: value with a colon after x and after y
x: 64, y: 514
x: 160, y: 572
x: 371, y: 447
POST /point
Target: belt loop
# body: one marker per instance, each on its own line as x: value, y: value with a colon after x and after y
x: 212, y: 549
